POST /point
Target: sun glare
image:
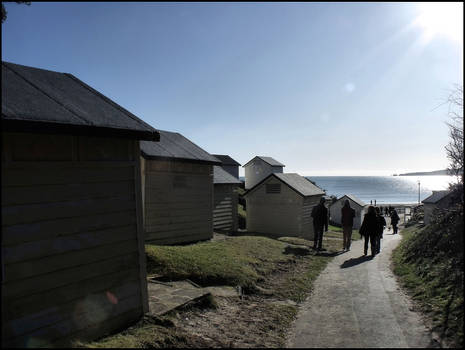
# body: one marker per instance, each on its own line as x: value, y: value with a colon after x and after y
x: 441, y: 19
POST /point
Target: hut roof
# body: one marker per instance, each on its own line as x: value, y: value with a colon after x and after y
x: 221, y: 176
x: 269, y: 160
x: 296, y: 182
x: 174, y: 146
x: 225, y: 159
x: 41, y: 100
x: 353, y: 198
x: 436, y: 196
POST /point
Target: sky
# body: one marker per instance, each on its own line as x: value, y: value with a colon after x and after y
x: 324, y: 88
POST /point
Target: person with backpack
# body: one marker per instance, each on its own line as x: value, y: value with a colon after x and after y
x: 347, y: 221
x: 394, y: 220
x: 320, y: 222
x: 369, y: 230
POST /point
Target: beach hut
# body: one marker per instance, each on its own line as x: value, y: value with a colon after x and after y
x: 225, y: 200
x: 281, y: 204
x: 260, y: 167
x: 355, y: 203
x: 177, y: 178
x: 229, y: 164
x: 438, y: 200
x: 73, y: 260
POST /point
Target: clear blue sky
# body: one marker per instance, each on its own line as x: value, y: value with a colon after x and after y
x: 325, y: 88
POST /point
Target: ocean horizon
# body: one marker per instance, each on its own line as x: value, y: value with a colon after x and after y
x: 383, y: 189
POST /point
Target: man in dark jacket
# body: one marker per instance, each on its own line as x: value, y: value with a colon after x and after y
x: 394, y: 220
x: 369, y: 230
x: 381, y: 224
x: 320, y: 222
x: 347, y: 221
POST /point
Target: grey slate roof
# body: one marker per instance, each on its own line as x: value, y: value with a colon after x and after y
x: 221, y: 176
x: 298, y: 183
x: 225, y: 159
x: 174, y: 146
x: 269, y: 160
x: 39, y: 99
x: 436, y: 196
x: 353, y: 198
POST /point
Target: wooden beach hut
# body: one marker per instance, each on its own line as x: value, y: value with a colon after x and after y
x: 225, y: 200
x: 282, y: 204
x: 73, y: 261
x: 355, y: 203
x: 177, y: 177
x: 260, y: 167
x: 228, y: 164
x: 438, y: 200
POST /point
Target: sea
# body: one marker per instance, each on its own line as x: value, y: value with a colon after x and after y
x: 383, y: 189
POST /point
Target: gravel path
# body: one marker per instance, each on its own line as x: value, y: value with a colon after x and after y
x: 357, y: 302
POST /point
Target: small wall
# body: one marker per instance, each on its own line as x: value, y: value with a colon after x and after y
x: 178, y: 202
x: 225, y: 207
x: 73, y: 265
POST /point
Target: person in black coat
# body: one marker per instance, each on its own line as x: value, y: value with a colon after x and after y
x: 320, y: 222
x: 394, y: 220
x: 369, y: 230
x: 381, y: 224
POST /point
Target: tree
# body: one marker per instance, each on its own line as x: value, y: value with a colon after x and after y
x: 4, y: 12
x: 454, y: 148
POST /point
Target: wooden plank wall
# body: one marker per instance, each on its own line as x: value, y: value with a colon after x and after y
x: 277, y: 213
x: 70, y: 253
x: 307, y: 221
x: 178, y: 202
x: 225, y: 207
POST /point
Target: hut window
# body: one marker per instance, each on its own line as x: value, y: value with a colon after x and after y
x: 273, y: 188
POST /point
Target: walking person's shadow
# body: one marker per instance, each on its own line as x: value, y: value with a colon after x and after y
x: 355, y: 261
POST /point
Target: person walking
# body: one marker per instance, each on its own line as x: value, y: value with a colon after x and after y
x: 347, y: 220
x: 320, y: 223
x: 369, y: 230
x: 394, y: 220
x: 381, y: 224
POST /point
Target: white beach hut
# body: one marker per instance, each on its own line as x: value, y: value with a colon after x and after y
x: 439, y: 199
x: 355, y: 203
x: 260, y: 167
x: 282, y: 204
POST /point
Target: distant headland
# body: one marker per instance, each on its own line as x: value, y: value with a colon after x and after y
x: 425, y: 173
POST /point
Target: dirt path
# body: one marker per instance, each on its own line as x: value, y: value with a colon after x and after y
x: 357, y: 302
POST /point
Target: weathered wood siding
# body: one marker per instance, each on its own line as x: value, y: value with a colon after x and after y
x: 335, y: 212
x: 307, y: 220
x: 178, y: 202
x: 71, y: 260
x: 257, y: 170
x: 276, y: 213
x: 225, y: 207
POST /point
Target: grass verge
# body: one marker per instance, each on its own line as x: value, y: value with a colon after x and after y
x: 429, y: 263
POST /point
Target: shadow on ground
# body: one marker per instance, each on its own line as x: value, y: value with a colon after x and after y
x: 355, y: 261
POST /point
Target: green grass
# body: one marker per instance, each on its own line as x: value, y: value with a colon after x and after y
x: 234, y: 261
x: 429, y: 262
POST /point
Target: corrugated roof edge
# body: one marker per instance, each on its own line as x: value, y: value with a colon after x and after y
x: 264, y: 161
x: 114, y: 104
x: 27, y: 125
x: 48, y: 127
x: 223, y: 157
x: 181, y: 160
x: 292, y: 188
